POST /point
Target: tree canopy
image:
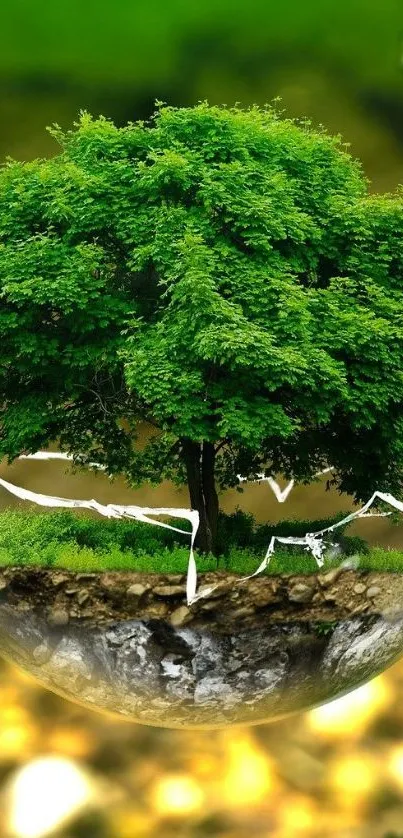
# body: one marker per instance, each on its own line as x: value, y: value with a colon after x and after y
x: 220, y: 273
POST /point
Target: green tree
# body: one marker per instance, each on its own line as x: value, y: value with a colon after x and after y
x: 220, y: 273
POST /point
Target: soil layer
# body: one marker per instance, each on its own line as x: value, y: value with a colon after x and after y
x: 62, y: 597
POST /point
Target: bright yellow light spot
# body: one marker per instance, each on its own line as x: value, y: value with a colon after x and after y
x: 205, y: 765
x: 12, y: 714
x: 395, y: 764
x: 249, y: 777
x: 329, y: 820
x: 133, y: 823
x: 352, y: 779
x: 352, y: 713
x: 15, y: 740
x: 297, y: 817
x: 71, y: 742
x: 177, y: 794
x: 44, y: 794
x: 9, y: 694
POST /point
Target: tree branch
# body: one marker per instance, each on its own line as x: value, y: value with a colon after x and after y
x: 221, y: 445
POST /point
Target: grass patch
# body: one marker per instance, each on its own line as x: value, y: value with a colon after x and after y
x: 61, y: 539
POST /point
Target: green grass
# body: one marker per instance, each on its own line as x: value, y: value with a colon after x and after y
x: 65, y: 540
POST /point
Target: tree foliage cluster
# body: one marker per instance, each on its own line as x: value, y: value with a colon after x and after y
x: 220, y: 273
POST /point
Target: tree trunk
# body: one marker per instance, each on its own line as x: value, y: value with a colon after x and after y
x: 200, y: 462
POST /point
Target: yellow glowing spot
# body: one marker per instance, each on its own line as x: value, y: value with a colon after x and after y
x: 9, y: 694
x: 15, y: 740
x: 352, y: 713
x: 133, y: 823
x: 395, y: 764
x: 353, y: 779
x: 44, y: 794
x: 72, y: 742
x: 12, y: 714
x: 249, y: 777
x: 177, y: 794
x: 329, y: 821
x: 298, y: 816
x: 204, y: 765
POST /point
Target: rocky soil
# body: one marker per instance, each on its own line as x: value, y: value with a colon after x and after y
x: 128, y: 643
x: 154, y: 673
x: 63, y: 597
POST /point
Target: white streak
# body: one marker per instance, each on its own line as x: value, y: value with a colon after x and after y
x: 55, y: 455
x: 280, y: 494
x: 313, y: 542
x: 111, y: 510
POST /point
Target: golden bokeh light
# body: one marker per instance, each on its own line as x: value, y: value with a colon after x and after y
x: 43, y: 794
x: 297, y: 817
x: 353, y: 779
x: 249, y: 776
x: 133, y: 822
x: 351, y: 713
x: 16, y: 740
x: 315, y: 775
x: 204, y: 765
x: 72, y: 742
x: 177, y: 795
x: 395, y: 765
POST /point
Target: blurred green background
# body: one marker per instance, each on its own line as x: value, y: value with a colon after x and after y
x: 340, y: 63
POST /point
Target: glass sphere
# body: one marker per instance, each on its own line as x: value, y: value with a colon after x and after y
x: 244, y: 651
x: 250, y: 652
